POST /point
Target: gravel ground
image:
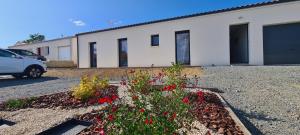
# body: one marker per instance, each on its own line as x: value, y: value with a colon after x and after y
x: 267, y: 99
x: 11, y: 88
x: 33, y: 121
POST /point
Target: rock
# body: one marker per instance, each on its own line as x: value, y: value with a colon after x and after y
x: 221, y: 131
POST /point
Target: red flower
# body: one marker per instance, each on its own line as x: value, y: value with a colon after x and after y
x: 142, y: 110
x: 146, y: 121
x: 186, y: 100
x: 108, y: 100
x: 98, y: 119
x: 200, y: 96
x: 165, y: 113
x: 151, y: 121
x: 114, y: 97
x: 173, y: 116
x: 170, y: 87
x: 111, y: 117
x: 102, y: 100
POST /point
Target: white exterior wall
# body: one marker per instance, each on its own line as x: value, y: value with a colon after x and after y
x: 53, y: 47
x: 209, y: 38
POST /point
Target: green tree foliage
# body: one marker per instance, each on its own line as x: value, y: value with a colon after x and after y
x: 33, y: 38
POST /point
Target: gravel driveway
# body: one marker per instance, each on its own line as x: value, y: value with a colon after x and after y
x: 11, y: 88
x: 267, y: 98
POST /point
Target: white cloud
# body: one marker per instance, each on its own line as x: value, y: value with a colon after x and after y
x: 114, y: 22
x: 77, y: 22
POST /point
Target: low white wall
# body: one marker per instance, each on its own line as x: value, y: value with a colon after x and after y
x: 209, y: 38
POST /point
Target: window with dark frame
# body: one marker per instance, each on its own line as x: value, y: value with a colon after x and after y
x: 155, y: 40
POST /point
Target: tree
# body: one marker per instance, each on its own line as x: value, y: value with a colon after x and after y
x: 33, y: 38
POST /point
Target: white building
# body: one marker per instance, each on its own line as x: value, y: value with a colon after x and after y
x: 258, y: 34
x: 61, y: 49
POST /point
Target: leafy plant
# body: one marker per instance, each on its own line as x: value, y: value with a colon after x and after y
x: 155, y: 110
x: 18, y: 103
x: 139, y: 81
x: 88, y: 87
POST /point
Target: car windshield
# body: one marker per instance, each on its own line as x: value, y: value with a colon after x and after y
x: 26, y: 53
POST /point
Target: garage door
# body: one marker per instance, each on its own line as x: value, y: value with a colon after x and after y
x: 64, y: 53
x: 282, y: 44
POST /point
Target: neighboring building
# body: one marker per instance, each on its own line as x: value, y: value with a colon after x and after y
x: 61, y: 49
x: 258, y: 34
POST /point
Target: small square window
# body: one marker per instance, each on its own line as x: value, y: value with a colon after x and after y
x: 155, y: 40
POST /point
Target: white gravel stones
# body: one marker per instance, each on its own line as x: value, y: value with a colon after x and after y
x: 267, y: 96
x: 32, y: 121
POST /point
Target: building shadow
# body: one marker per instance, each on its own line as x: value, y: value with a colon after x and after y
x: 8, y: 82
x: 244, y: 116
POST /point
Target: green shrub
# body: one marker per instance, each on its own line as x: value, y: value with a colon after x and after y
x: 19, y: 103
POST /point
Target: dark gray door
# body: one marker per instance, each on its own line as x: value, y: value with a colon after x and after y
x: 123, y: 53
x: 93, y: 55
x: 282, y: 44
x: 239, y: 44
x: 183, y: 47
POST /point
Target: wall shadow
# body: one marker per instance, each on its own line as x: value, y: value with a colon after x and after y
x: 7, y: 82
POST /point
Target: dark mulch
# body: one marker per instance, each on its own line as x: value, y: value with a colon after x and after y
x: 64, y: 100
x: 209, y: 112
x: 213, y: 115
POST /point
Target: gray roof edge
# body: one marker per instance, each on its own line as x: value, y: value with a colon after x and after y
x: 266, y: 3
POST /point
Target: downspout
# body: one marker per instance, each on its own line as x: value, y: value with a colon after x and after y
x: 77, y: 39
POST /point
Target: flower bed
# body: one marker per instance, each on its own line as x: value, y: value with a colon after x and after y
x: 206, y: 109
x: 165, y: 109
x: 150, y: 104
x: 64, y: 100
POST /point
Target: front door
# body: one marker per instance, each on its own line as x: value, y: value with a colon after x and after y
x: 93, y: 55
x: 239, y: 44
x: 183, y: 47
x: 123, y: 54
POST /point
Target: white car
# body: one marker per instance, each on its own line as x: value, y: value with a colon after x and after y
x: 19, y: 66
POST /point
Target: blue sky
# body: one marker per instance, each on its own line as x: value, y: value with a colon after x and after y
x: 54, y: 18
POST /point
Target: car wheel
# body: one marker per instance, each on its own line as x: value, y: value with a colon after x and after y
x: 18, y: 76
x: 34, y: 72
